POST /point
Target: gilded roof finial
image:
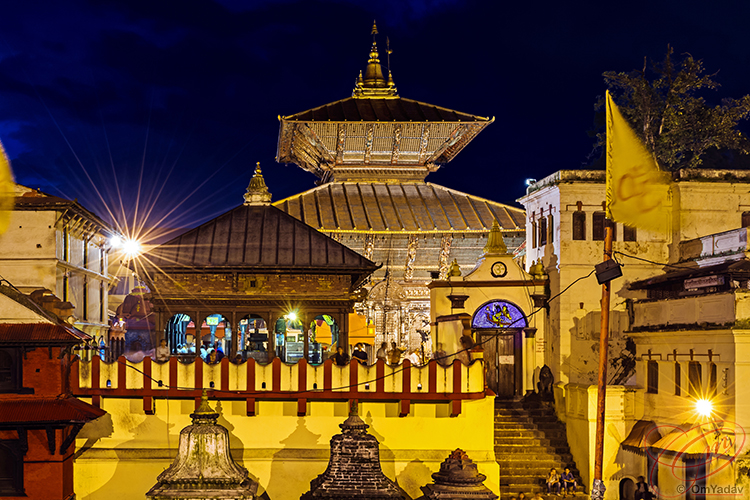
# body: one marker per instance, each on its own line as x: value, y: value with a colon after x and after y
x: 454, y: 269
x: 495, y: 241
x: 257, y: 192
x: 374, y: 84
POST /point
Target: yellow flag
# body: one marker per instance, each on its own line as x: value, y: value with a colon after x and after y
x: 636, y: 189
x: 7, y: 191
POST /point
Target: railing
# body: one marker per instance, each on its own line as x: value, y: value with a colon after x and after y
x: 251, y: 381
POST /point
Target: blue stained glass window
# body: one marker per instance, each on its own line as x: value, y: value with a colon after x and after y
x: 499, y: 314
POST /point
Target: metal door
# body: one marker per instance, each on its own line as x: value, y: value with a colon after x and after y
x: 502, y: 361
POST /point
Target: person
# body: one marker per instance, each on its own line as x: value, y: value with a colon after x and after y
x: 162, y: 352
x: 394, y: 355
x: 381, y: 354
x: 553, y: 482
x: 568, y: 481
x: 219, y: 351
x: 522, y: 496
x: 340, y: 358
x: 642, y: 490
x: 359, y: 353
x: 212, y: 357
x: 441, y: 356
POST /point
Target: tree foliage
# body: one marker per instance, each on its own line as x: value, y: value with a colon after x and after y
x: 663, y: 107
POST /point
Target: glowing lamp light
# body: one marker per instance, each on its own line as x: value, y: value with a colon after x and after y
x: 292, y: 316
x: 704, y: 407
x: 131, y: 248
x: 529, y: 182
x: 115, y: 241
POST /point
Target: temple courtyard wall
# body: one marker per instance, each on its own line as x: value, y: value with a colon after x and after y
x: 121, y: 455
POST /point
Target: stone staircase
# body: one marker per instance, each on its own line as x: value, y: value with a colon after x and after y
x: 529, y: 441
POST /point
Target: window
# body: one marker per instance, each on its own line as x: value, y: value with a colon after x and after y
x: 695, y: 379
x: 598, y: 226
x: 745, y: 219
x: 10, y: 370
x: 628, y: 233
x: 11, y: 468
x: 579, y: 225
x: 542, y: 231
x: 551, y: 222
x: 653, y: 377
x: 533, y: 235
x: 711, y: 380
x: 677, y: 379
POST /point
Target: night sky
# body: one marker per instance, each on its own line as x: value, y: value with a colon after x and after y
x: 182, y: 97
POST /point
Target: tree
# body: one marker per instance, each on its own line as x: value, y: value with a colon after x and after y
x: 671, y: 118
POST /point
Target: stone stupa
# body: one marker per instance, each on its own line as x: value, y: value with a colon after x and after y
x: 353, y: 471
x: 204, y: 468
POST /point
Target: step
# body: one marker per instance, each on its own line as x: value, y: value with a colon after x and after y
x: 532, y: 456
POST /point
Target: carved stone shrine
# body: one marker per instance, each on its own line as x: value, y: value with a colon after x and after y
x: 203, y: 468
x: 458, y: 479
x: 354, y: 467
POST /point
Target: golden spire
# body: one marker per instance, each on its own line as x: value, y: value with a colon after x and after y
x: 374, y: 84
x: 257, y: 191
x: 495, y: 241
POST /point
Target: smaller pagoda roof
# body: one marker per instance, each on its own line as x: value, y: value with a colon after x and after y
x: 391, y: 207
x: 40, y: 334
x: 257, y: 238
x: 40, y: 410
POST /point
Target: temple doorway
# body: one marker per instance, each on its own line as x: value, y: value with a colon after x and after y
x: 497, y: 326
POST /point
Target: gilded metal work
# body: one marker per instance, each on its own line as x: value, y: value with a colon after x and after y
x: 369, y: 246
x: 445, y: 252
x: 495, y: 241
x: 257, y: 192
x: 411, y: 256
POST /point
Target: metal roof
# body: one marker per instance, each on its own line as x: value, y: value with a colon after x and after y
x: 260, y: 238
x: 396, y: 109
x: 31, y: 410
x: 40, y: 333
x: 415, y: 207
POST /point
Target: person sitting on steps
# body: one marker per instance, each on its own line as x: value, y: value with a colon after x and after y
x: 568, y: 482
x: 553, y: 482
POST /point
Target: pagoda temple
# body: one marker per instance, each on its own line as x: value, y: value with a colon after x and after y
x: 372, y: 152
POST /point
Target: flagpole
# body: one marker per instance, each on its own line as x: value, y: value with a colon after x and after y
x: 596, y: 491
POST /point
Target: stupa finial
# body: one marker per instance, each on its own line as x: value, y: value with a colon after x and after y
x: 257, y: 192
x: 374, y: 84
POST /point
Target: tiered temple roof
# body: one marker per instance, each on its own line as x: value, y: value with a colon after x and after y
x: 387, y: 206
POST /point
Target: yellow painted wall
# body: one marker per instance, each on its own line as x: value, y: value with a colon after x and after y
x: 121, y: 454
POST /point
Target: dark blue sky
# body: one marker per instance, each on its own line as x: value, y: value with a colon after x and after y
x: 182, y: 97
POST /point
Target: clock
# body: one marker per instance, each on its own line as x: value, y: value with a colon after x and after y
x: 498, y: 270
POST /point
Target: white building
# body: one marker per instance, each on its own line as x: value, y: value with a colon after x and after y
x: 703, y: 331
x: 57, y: 244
